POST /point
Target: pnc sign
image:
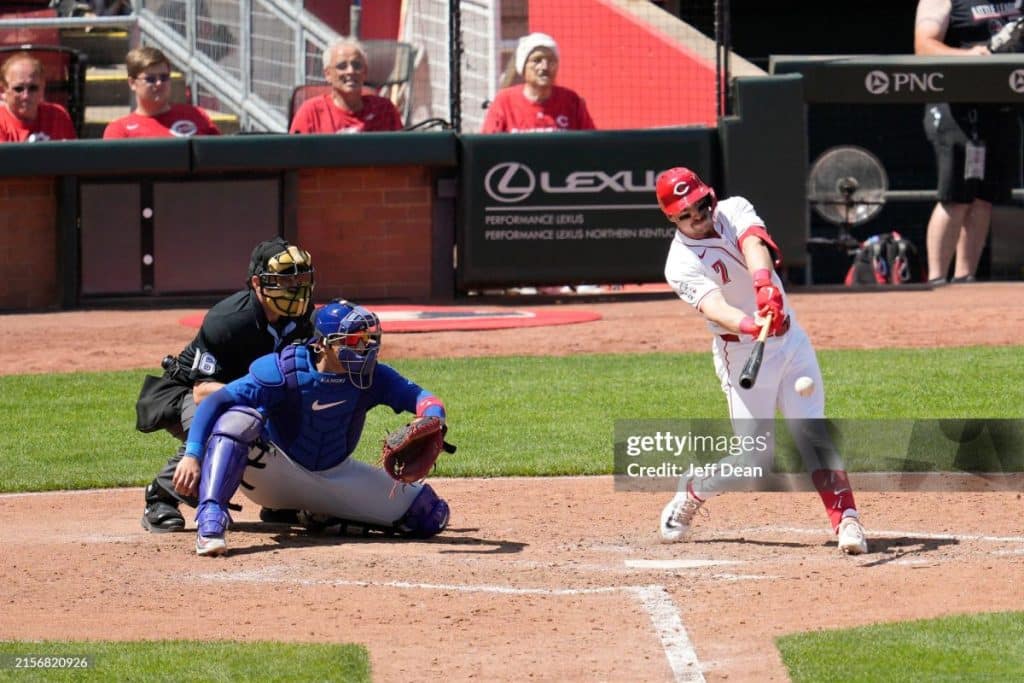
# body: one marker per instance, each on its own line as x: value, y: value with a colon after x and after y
x: 878, y: 82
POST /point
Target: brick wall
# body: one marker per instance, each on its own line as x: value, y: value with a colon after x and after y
x: 368, y: 229
x: 28, y: 250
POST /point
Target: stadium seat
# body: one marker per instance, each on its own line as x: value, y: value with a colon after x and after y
x: 28, y: 10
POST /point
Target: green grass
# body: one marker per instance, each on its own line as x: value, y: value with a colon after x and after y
x: 187, y: 660
x: 508, y: 416
x: 980, y: 647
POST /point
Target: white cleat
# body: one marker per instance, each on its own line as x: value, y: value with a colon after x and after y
x: 851, y: 537
x: 677, y: 517
x: 210, y: 546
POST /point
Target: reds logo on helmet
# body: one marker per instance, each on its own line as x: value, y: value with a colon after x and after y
x: 680, y: 188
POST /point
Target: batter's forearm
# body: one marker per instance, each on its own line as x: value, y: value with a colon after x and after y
x: 715, y: 308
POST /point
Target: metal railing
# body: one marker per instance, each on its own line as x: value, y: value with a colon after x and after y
x: 128, y: 21
x: 248, y: 54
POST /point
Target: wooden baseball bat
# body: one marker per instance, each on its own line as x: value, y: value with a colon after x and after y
x: 753, y: 365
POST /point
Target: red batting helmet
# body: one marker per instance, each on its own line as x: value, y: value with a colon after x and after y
x: 680, y: 188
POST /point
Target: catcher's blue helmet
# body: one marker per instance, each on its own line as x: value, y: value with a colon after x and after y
x: 354, y: 334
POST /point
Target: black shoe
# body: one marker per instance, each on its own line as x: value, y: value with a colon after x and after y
x: 161, y: 514
x: 282, y: 516
x: 963, y: 279
x: 161, y: 518
x: 938, y: 282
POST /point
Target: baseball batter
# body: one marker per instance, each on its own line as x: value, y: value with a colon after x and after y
x: 290, y: 425
x: 721, y: 263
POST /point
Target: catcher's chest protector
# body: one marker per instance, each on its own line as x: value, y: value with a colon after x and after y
x: 318, y: 421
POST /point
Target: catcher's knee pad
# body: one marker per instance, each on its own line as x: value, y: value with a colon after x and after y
x: 427, y: 516
x: 227, y: 453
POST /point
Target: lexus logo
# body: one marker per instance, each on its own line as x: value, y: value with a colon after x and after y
x: 510, y: 182
x: 877, y: 82
x: 1017, y: 81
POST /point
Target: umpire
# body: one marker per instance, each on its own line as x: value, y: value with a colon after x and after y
x: 274, y: 310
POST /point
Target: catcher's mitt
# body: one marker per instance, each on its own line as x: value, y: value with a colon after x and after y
x: 409, y: 452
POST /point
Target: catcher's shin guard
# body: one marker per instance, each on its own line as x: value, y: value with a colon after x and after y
x: 227, y: 454
x: 426, y: 517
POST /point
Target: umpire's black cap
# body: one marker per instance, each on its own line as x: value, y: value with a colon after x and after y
x: 265, y: 251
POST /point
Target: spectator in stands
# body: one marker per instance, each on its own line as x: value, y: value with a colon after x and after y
x: 538, y: 105
x: 347, y: 108
x: 149, y: 78
x: 975, y: 145
x: 24, y: 116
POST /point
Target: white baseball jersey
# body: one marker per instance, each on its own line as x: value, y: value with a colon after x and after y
x: 695, y: 268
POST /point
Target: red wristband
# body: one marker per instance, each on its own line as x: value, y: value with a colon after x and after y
x: 762, y: 278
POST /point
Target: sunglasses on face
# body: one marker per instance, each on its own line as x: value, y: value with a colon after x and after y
x: 359, y: 341
x: 701, y: 208
x: 355, y: 64
x: 153, y: 79
x: 22, y: 88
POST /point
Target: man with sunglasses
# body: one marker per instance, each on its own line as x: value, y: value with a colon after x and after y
x: 348, y: 107
x: 274, y: 310
x: 290, y: 427
x: 24, y: 116
x: 149, y: 79
x: 722, y: 262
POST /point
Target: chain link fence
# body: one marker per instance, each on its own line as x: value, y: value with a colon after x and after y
x: 636, y: 64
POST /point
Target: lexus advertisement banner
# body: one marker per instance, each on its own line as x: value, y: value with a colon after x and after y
x: 565, y: 208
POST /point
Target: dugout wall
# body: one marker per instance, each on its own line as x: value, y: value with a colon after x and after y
x: 144, y: 220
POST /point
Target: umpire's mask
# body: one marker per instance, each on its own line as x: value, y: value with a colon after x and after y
x: 287, y: 281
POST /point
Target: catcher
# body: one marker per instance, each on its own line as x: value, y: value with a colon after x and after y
x: 290, y: 425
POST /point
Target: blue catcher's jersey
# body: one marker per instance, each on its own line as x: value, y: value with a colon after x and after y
x: 315, y: 418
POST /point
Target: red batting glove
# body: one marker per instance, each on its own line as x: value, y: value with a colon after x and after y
x: 769, y: 298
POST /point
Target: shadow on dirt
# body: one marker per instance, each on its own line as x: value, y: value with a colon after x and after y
x: 751, y: 541
x: 288, y: 536
x: 893, y: 549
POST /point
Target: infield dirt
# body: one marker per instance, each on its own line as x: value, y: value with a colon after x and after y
x: 544, y: 579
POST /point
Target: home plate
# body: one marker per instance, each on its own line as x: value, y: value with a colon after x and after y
x: 678, y: 564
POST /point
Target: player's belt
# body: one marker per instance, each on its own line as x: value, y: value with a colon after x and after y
x: 735, y: 337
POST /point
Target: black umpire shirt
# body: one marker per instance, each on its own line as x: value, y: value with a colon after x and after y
x: 234, y: 333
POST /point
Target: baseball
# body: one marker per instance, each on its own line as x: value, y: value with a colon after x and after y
x: 804, y: 386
